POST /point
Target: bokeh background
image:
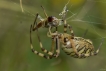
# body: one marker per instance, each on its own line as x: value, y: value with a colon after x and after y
x: 15, y: 52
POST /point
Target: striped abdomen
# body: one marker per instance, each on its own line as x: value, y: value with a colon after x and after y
x: 83, y: 46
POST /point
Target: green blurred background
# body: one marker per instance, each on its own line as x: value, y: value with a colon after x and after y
x: 15, y: 52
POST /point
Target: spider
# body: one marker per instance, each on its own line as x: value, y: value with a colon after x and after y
x: 76, y: 47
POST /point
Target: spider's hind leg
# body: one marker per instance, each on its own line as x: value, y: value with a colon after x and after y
x: 97, y: 51
x: 92, y: 53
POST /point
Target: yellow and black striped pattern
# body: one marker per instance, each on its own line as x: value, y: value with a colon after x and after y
x: 83, y: 46
x: 50, y: 53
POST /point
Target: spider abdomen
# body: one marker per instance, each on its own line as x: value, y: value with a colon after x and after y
x: 83, y: 46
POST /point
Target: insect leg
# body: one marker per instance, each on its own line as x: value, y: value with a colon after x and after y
x: 40, y: 18
x: 33, y: 26
x: 44, y: 12
x: 64, y: 11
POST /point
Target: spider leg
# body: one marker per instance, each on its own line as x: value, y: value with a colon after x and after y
x: 65, y: 26
x: 44, y: 50
x: 55, y: 37
x: 41, y: 46
x: 57, y: 45
x: 57, y: 48
x: 73, y: 46
x: 70, y: 28
x: 97, y: 51
x: 72, y: 36
x: 89, y: 53
x: 52, y: 48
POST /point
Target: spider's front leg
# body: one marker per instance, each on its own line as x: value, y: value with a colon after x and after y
x: 72, y: 36
x: 69, y: 27
x: 55, y: 37
x: 44, y: 50
x: 64, y: 11
x: 57, y: 48
x: 50, y: 53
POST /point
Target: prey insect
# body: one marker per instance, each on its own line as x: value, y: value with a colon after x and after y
x: 76, y: 47
x: 50, y: 21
